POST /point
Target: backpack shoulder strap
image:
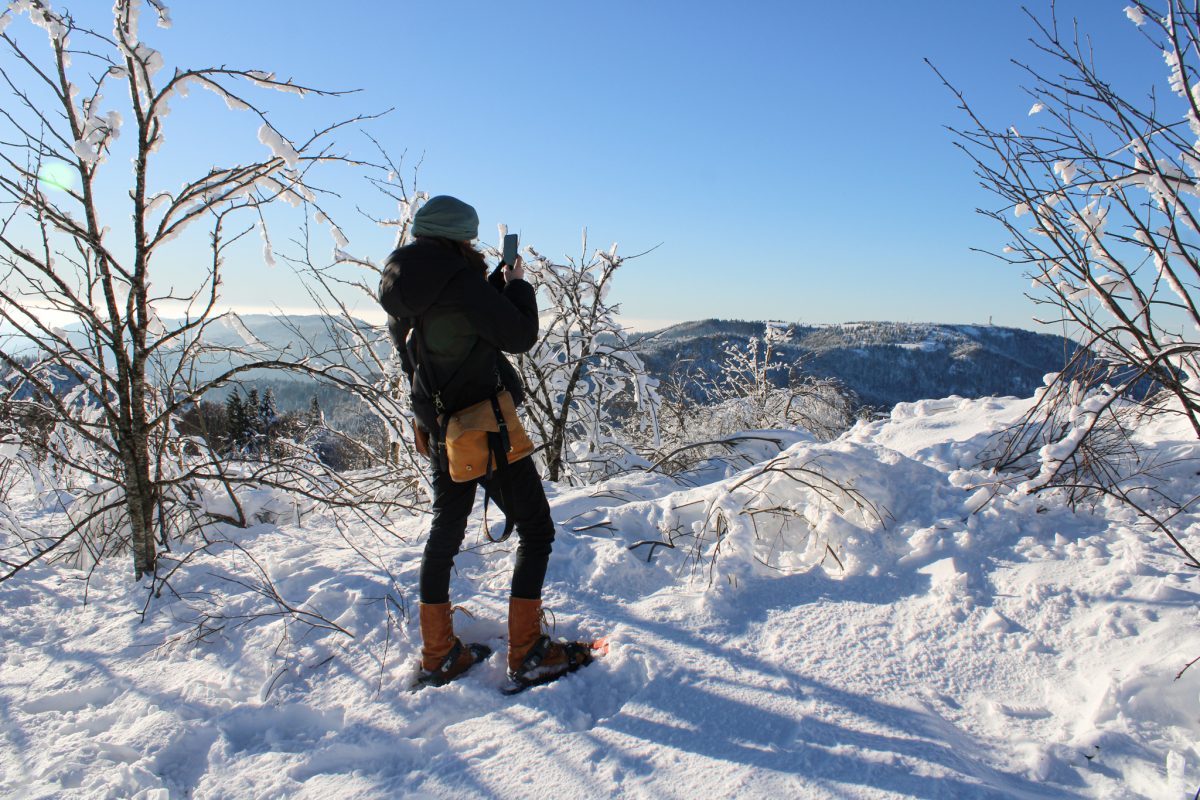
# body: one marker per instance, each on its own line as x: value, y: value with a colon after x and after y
x: 425, y: 364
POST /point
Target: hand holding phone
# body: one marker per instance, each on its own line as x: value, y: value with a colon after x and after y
x: 515, y: 272
x: 509, y: 255
x: 509, y: 260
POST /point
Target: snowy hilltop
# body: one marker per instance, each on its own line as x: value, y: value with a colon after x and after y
x: 796, y: 619
x: 884, y: 363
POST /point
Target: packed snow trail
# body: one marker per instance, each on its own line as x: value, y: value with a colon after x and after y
x: 1015, y: 650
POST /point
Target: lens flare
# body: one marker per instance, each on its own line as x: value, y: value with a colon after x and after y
x: 57, y: 176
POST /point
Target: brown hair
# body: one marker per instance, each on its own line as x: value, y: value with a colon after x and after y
x: 464, y: 249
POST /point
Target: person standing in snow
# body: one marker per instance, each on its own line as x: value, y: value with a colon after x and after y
x: 451, y: 324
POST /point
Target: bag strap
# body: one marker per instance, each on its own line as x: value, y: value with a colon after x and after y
x: 499, y: 445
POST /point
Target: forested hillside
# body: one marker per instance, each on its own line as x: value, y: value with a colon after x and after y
x: 883, y: 362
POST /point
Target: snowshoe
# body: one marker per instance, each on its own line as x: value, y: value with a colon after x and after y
x: 549, y: 660
x: 456, y: 663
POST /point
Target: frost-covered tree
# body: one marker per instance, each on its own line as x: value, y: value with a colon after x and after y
x: 1099, y: 191
x: 83, y: 122
x: 754, y: 387
x: 360, y: 354
x: 583, y: 369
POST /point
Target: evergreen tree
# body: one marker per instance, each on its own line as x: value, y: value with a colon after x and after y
x: 254, y: 428
x: 316, y: 417
x: 268, y: 418
x: 238, y: 423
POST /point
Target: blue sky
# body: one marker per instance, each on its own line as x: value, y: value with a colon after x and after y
x: 789, y: 158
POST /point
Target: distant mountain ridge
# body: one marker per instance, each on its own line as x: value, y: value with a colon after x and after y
x: 884, y: 362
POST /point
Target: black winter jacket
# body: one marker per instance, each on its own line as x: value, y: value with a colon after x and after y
x: 466, y: 322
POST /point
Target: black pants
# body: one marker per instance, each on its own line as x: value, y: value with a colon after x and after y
x: 452, y: 504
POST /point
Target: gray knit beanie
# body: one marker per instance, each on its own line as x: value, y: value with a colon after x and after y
x: 448, y: 217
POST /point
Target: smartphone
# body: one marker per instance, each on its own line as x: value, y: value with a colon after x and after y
x: 510, y: 249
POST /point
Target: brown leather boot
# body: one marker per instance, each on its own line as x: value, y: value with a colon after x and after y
x: 533, y: 657
x: 443, y: 656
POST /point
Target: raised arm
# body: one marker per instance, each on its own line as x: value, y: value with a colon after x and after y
x: 507, y: 320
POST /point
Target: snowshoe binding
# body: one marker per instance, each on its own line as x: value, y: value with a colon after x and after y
x: 456, y: 663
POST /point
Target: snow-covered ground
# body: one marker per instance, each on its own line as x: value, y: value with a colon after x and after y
x: 897, y: 646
